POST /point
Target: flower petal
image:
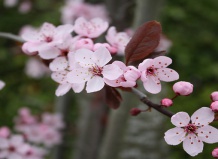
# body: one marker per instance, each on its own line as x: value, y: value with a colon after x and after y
x: 103, y: 56
x: 2, y: 84
x: 85, y: 57
x: 180, y: 119
x: 152, y: 85
x: 49, y: 53
x: 78, y: 87
x: 16, y: 140
x: 162, y: 61
x: 62, y: 89
x: 59, y: 64
x: 79, y: 75
x: 192, y: 145
x: 95, y: 84
x: 145, y: 64
x: 59, y: 77
x: 202, y: 116
x: 3, y: 143
x: 208, y: 134
x: 167, y: 74
x: 112, y: 72
x: 174, y: 136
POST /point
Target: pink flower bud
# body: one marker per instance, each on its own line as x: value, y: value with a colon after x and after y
x: 214, y: 106
x: 166, y: 102
x: 4, y: 132
x: 183, y: 88
x: 214, y: 96
x: 215, y: 153
x: 135, y: 111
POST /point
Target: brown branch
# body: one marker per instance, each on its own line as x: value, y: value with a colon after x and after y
x: 12, y: 37
x: 146, y: 101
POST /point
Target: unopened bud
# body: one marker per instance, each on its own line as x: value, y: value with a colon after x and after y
x: 215, y: 153
x: 214, y: 106
x: 4, y: 132
x: 214, y: 96
x: 166, y: 102
x: 135, y: 111
x: 183, y: 88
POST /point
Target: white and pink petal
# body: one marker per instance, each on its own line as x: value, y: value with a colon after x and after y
x: 167, y: 74
x: 180, y: 119
x: 95, y: 84
x: 208, y: 134
x: 175, y: 136
x: 111, y: 72
x: 192, y: 145
x: 202, y: 116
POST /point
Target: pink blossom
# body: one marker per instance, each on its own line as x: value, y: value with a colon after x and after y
x: 192, y: 131
x: 36, y: 69
x: 214, y: 106
x: 53, y: 120
x: 45, y: 41
x: 60, y: 68
x: 2, y: 84
x: 214, y: 96
x: 92, y: 68
x: 92, y: 28
x: 183, y: 88
x: 127, y: 79
x: 110, y: 48
x: 215, y: 153
x: 77, y: 8
x: 34, y: 152
x: 4, y: 132
x: 84, y: 43
x: 166, y: 102
x: 164, y: 44
x: 118, y: 40
x: 154, y: 70
x: 13, y: 147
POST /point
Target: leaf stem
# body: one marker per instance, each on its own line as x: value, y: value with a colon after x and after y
x: 11, y: 36
x: 146, y: 101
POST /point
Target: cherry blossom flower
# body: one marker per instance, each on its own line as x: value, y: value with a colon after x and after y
x: 127, y: 79
x: 60, y: 68
x: 166, y: 102
x: 92, y: 28
x: 53, y: 120
x: 215, y: 153
x: 36, y: 69
x: 192, y: 131
x: 91, y: 68
x: 10, y: 3
x: 13, y: 147
x: 214, y: 106
x: 154, y: 70
x: 78, y: 8
x: 164, y: 44
x: 45, y: 41
x: 2, y: 84
x: 118, y: 40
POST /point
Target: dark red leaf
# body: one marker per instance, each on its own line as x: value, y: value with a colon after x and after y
x: 143, y: 42
x: 113, y: 97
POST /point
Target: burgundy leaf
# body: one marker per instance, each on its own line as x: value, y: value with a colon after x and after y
x: 113, y: 97
x: 143, y: 42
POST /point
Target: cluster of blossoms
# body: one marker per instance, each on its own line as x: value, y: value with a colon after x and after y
x: 35, y: 137
x: 78, y: 60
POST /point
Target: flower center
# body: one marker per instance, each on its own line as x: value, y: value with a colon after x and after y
x: 190, y: 128
x: 11, y: 149
x: 150, y: 71
x: 96, y: 70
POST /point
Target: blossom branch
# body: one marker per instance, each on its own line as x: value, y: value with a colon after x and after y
x: 146, y: 101
x: 11, y: 36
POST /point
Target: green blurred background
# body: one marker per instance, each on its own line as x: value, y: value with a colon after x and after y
x: 192, y: 26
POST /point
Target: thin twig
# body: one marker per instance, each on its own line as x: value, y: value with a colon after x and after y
x: 11, y: 36
x: 146, y: 101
